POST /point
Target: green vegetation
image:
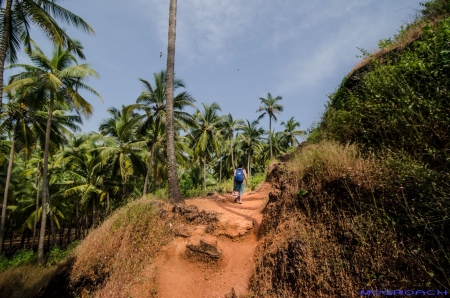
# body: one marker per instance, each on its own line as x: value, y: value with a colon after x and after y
x: 382, y: 202
x: 89, y: 175
x: 364, y: 205
x: 20, y: 257
x: 353, y: 222
x: 97, y: 172
x: 399, y: 103
x: 21, y: 276
x: 55, y: 256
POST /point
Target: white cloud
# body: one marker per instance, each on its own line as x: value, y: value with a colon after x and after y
x: 313, y: 58
x: 205, y: 29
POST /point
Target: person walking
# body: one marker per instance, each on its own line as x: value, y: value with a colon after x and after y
x: 238, y: 189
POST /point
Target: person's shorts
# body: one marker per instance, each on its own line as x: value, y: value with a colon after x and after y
x: 239, y: 186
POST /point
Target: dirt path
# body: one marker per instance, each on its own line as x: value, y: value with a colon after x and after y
x: 236, y: 236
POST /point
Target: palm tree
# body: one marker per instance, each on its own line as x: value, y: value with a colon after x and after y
x: 183, y: 155
x: 290, y: 131
x: 17, y: 125
x: 81, y: 181
x: 153, y: 131
x: 37, y: 120
x: 279, y: 143
x: 270, y: 107
x: 251, y: 137
x: 21, y: 187
x: 18, y: 15
x: 153, y: 101
x: 56, y: 78
x: 174, y: 186
x: 207, y: 133
x: 35, y: 164
x: 230, y: 126
x: 120, y: 150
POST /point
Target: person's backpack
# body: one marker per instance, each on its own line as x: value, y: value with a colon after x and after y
x: 239, y: 176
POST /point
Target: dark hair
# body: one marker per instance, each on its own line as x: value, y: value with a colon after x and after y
x: 240, y: 165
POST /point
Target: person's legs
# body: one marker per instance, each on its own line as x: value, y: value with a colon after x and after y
x: 236, y: 190
x: 241, y: 193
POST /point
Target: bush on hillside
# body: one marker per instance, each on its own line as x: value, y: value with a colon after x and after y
x: 336, y: 223
x: 401, y: 104
x: 436, y: 8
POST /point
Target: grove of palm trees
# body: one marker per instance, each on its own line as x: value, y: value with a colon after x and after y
x: 363, y: 200
x: 59, y: 182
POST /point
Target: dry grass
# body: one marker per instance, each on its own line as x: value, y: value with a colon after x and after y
x: 325, y: 233
x: 114, y: 254
x: 332, y: 160
x: 25, y: 280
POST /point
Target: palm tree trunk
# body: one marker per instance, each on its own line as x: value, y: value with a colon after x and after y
x: 77, y: 222
x: 220, y: 171
x: 149, y: 166
x: 22, y: 240
x: 231, y: 150
x: 48, y: 240
x: 5, y: 196
x: 4, y: 46
x: 69, y: 231
x: 248, y: 163
x: 37, y: 203
x: 52, y: 223
x: 270, y: 135
x: 155, y: 173
x: 61, y: 234
x: 174, y: 187
x: 45, y: 182
x: 86, y: 223
x: 107, y: 203
x: 13, y: 236
x: 250, y: 172
x: 204, y: 171
x: 93, y: 213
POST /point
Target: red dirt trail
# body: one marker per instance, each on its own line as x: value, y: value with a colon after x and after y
x: 237, y: 238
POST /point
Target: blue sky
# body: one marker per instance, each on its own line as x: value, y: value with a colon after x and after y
x: 233, y: 52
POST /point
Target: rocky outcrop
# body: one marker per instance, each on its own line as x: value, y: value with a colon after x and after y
x: 203, y: 248
x: 192, y: 214
x: 233, y: 228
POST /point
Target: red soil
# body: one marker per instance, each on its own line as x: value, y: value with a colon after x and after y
x: 237, y: 238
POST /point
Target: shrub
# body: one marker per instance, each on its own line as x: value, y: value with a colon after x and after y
x: 22, y: 256
x: 116, y: 251
x: 344, y: 222
x: 399, y: 103
x: 256, y: 180
x: 56, y: 255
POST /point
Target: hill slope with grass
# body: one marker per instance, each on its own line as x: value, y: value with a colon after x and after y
x: 365, y: 205
x: 338, y: 222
